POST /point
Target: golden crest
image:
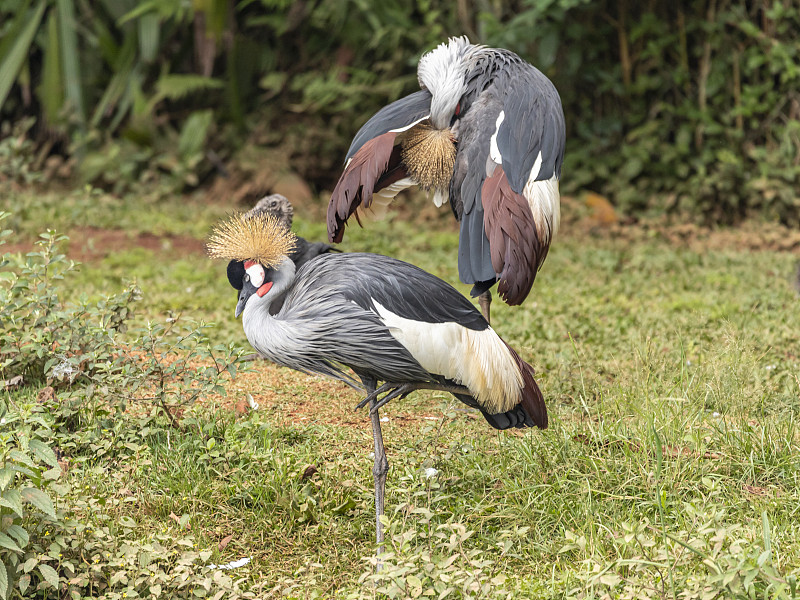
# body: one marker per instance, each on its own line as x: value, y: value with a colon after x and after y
x: 259, y: 237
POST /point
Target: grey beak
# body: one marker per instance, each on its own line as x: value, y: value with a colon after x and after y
x: 243, y: 296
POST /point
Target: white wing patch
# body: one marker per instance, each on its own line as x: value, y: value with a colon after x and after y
x: 381, y: 200
x: 544, y: 200
x: 537, y: 166
x: 494, y: 151
x: 440, y: 197
x: 407, y: 127
x: 478, y: 360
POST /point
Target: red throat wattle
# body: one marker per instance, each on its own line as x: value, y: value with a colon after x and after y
x: 264, y: 289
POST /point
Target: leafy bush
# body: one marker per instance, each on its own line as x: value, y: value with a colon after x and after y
x: 28, y: 468
x: 43, y: 337
x: 98, y: 363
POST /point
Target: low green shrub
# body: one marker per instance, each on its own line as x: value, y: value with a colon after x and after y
x: 104, y: 384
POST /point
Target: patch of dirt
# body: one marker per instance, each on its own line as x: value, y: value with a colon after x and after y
x: 91, y: 244
x: 294, y: 398
x: 592, y: 215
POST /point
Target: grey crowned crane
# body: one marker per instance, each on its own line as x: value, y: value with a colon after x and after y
x: 387, y: 320
x: 279, y: 207
x: 486, y: 131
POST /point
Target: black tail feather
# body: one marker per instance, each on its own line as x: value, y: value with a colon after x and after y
x: 532, y: 400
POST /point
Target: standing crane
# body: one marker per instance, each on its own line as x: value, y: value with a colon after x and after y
x: 486, y: 131
x: 387, y: 320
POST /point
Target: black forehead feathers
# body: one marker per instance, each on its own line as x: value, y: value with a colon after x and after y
x: 236, y: 274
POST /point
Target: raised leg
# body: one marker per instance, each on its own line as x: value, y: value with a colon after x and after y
x: 405, y: 389
x: 379, y: 471
x: 485, y: 301
x: 373, y: 394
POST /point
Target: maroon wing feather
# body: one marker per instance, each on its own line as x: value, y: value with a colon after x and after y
x: 375, y: 166
x: 532, y: 399
x: 514, y: 246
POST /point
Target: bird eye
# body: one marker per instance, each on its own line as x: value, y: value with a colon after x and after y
x: 274, y: 203
x: 246, y: 278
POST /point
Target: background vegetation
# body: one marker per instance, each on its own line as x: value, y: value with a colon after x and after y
x: 671, y: 107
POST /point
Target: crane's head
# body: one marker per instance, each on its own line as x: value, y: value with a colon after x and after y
x: 276, y: 205
x: 257, y: 246
x: 258, y: 284
x: 442, y: 72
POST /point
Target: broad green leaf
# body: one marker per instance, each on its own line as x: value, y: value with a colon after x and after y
x: 23, y: 583
x: 193, y: 134
x: 13, y: 500
x: 70, y: 55
x: 7, y: 542
x: 30, y: 564
x: 52, y: 86
x: 3, y: 581
x: 43, y: 452
x: 19, y: 534
x: 18, y: 53
x: 21, y: 458
x: 49, y: 574
x: 40, y: 500
x: 175, y: 87
x: 149, y: 36
x: 6, y: 477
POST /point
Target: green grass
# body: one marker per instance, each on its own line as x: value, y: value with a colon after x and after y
x: 671, y: 462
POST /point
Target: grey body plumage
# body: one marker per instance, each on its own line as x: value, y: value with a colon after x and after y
x: 328, y: 321
x: 508, y: 125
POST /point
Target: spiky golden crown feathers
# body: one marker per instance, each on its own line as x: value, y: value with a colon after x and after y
x: 259, y: 237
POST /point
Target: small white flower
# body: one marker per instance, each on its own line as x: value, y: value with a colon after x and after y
x: 384, y: 419
x: 431, y: 472
x: 716, y: 415
x: 771, y: 367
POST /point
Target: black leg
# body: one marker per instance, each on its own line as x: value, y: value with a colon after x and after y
x: 485, y: 301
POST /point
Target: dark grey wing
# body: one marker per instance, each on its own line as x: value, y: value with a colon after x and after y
x: 407, y: 291
x: 337, y: 332
x: 374, y: 161
x: 397, y: 115
x: 533, y: 123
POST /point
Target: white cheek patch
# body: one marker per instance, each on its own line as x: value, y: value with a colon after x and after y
x: 257, y: 275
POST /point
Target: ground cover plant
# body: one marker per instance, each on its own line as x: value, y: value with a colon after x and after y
x: 668, y: 358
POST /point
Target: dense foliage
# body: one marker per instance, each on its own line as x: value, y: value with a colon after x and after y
x: 670, y: 106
